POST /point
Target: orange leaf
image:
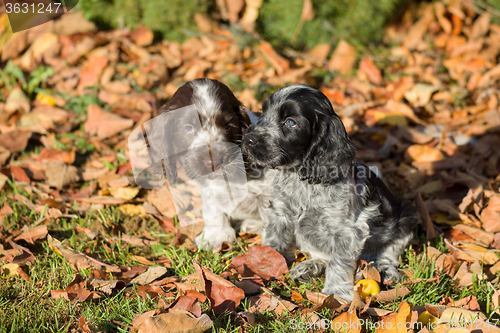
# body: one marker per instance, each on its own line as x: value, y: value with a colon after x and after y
x: 395, y: 322
x: 347, y: 322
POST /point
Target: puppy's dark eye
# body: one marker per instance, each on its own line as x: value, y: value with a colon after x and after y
x: 227, y: 127
x: 290, y: 123
x: 189, y: 128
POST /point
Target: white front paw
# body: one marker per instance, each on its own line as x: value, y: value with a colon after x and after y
x: 213, y: 237
x: 252, y: 226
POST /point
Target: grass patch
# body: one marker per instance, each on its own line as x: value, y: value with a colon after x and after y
x: 28, y: 305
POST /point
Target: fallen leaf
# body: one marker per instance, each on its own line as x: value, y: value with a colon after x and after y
x: 73, y: 23
x: 182, y: 321
x: 396, y: 322
x: 106, y: 286
x: 420, y: 94
x: 423, y: 153
x: 61, y: 174
x: 132, y: 210
x: 15, y: 141
x: 368, y: 69
x: 223, y: 295
x: 387, y: 296
x: 271, y: 303
x: 105, y: 124
x: 77, y: 259
x: 86, y: 327
x: 261, y: 260
x: 188, y: 304
x: 343, y: 58
x: 347, y: 322
x: 162, y: 200
x: 30, y: 235
x: 142, y: 36
x: 153, y: 273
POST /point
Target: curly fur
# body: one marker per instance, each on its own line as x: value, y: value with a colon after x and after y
x: 326, y: 204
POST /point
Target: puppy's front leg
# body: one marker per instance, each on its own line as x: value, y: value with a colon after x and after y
x: 342, y: 265
x: 279, y: 232
x: 217, y: 230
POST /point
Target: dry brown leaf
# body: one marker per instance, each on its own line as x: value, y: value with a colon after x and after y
x: 481, y: 26
x: 475, y: 252
x: 416, y: 33
x: 343, y: 58
x: 187, y: 303
x: 106, y: 286
x: 73, y: 23
x: 162, y: 200
x: 19, y: 174
x: 423, y: 153
x: 347, y: 322
x: 30, y: 235
x: 396, y: 322
x: 420, y: 94
x: 61, y: 174
x: 15, y: 141
x: 179, y: 321
x: 153, y: 273
x: 444, y: 263
x: 387, y: 296
x: 261, y: 260
x: 490, y: 219
x: 77, y: 259
x: 91, y: 71
x: 271, y: 303
x: 105, y: 124
x: 223, y: 295
x: 142, y: 36
x: 368, y: 69
x: 482, y: 237
x: 370, y: 272
x: 86, y: 327
x: 440, y: 15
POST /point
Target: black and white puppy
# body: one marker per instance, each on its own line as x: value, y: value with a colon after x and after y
x: 324, y: 203
x: 223, y: 119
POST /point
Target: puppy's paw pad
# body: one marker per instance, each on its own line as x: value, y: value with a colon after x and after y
x: 213, y: 238
x: 343, y: 292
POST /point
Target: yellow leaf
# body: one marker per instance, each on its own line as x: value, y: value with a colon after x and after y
x: 130, y: 209
x: 143, y: 260
x: 127, y: 193
x: 10, y: 269
x: 45, y: 99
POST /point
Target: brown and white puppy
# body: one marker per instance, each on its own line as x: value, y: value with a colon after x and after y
x: 223, y: 120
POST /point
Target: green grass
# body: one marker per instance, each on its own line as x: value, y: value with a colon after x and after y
x: 28, y: 306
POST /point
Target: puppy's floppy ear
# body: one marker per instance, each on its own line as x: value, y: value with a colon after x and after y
x: 330, y: 156
x: 169, y: 164
x: 244, y: 118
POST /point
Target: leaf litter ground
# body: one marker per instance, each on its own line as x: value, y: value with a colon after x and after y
x: 83, y: 249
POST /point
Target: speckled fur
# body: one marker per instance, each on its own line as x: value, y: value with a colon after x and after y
x: 324, y: 203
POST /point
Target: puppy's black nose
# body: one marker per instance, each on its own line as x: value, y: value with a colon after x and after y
x: 250, y: 141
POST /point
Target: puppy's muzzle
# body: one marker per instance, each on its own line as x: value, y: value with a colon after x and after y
x: 250, y: 138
